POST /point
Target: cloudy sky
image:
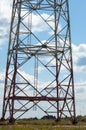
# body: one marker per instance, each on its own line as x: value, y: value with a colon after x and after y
x: 78, y: 36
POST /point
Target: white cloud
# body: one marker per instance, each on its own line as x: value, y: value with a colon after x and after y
x: 2, y: 77
x: 38, y: 24
x: 80, y: 97
x: 5, y: 9
x: 5, y: 14
x: 79, y: 58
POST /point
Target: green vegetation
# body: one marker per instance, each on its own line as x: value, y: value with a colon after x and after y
x: 44, y: 124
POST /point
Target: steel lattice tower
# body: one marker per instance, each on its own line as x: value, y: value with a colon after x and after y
x: 39, y: 72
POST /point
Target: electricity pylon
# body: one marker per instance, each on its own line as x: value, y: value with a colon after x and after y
x: 39, y: 71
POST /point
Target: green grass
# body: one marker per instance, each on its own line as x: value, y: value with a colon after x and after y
x: 44, y: 125
x: 33, y: 127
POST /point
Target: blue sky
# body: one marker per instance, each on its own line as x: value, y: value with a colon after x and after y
x: 78, y: 38
x: 78, y: 20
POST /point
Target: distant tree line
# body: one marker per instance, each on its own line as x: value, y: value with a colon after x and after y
x: 49, y: 117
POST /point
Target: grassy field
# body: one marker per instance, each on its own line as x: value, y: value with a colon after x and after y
x: 43, y: 125
x: 27, y: 127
